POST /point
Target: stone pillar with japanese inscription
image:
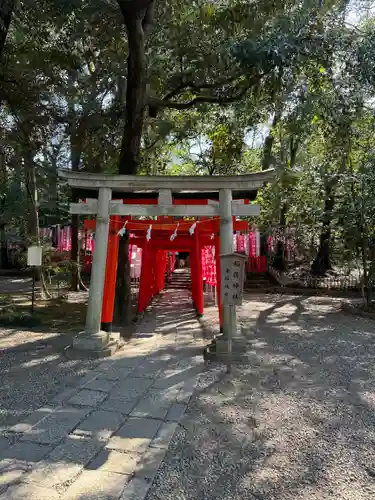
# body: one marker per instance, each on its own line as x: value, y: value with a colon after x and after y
x: 232, y: 272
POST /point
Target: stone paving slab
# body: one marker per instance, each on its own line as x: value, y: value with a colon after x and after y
x: 29, y: 492
x: 89, y: 377
x: 149, y: 463
x: 119, y: 405
x: 65, y: 462
x: 55, y: 426
x: 115, y: 461
x: 135, y: 435
x: 129, y: 362
x: 100, y: 424
x: 85, y: 397
x: 166, y: 396
x: 176, y: 412
x: 137, y: 489
x: 164, y: 435
x: 11, y: 471
x: 97, y: 485
x: 149, y: 370
x: 62, y: 397
x: 151, y: 408
x: 114, y: 373
x: 36, y: 416
x: 186, y: 391
x: 131, y: 388
x: 101, y: 384
x: 28, y: 452
x: 106, y: 437
x: 5, y: 442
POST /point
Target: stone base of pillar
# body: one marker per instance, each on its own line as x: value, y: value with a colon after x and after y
x: 94, y: 346
x: 218, y: 349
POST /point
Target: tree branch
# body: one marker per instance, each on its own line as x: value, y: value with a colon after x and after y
x: 131, y: 7
x: 148, y: 18
x: 156, y: 103
x: 188, y: 84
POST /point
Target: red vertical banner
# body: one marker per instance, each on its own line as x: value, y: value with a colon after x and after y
x: 218, y: 281
x: 64, y: 240
x: 241, y: 243
x: 205, y: 268
x: 211, y: 266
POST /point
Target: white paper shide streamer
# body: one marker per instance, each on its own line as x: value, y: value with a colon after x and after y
x: 173, y: 236
x: 192, y: 229
x: 122, y: 230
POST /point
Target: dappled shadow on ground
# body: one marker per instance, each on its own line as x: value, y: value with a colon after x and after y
x: 32, y: 365
x: 294, y: 422
x: 86, y: 428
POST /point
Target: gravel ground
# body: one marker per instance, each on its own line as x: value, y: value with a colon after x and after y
x: 29, y: 379
x: 296, y: 421
x: 33, y: 371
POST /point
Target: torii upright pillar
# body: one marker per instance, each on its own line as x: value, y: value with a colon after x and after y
x: 94, y: 342
x: 226, y: 247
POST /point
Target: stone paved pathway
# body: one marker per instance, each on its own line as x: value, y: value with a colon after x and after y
x: 105, y: 438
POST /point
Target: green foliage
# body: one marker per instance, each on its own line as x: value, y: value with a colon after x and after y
x: 12, y: 316
x: 293, y: 82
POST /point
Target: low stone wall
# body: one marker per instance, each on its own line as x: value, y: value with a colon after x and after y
x: 293, y: 290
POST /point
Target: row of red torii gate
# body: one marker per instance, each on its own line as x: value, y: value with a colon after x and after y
x: 159, y: 241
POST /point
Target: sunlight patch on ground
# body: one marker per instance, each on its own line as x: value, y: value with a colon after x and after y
x: 368, y: 398
x: 39, y: 361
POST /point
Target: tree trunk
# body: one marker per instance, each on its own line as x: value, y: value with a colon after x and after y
x: 76, y: 283
x: 293, y: 149
x: 322, y: 262
x: 138, y: 18
x: 123, y: 304
x: 33, y: 219
x: 6, y: 11
x: 267, y: 157
x: 4, y: 262
x: 135, y: 99
x: 371, y: 274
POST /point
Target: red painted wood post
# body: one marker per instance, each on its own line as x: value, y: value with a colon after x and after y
x: 154, y: 289
x: 161, y: 262
x: 218, y: 281
x: 144, y: 281
x: 199, y: 301
x: 193, y: 277
x: 110, y: 276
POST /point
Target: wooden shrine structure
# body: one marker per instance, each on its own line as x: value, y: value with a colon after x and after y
x: 212, y: 205
x: 157, y: 238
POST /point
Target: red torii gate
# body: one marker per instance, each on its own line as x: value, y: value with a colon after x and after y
x: 154, y: 258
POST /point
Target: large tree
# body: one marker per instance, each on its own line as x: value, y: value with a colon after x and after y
x: 6, y: 12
